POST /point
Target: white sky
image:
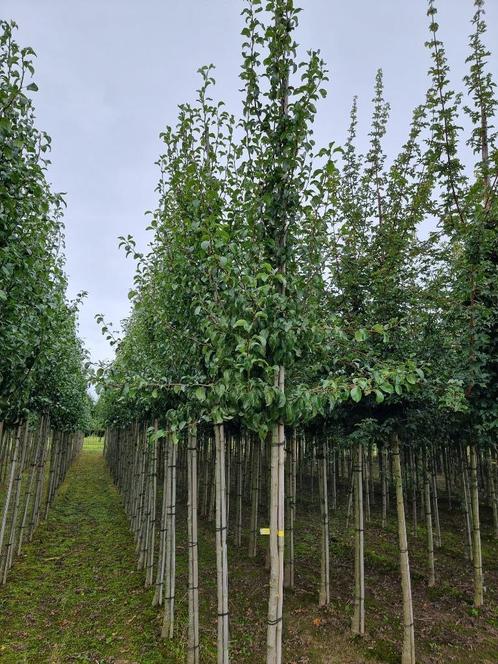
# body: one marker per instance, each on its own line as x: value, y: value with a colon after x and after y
x: 112, y: 72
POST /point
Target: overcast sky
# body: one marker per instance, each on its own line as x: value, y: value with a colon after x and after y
x: 112, y: 72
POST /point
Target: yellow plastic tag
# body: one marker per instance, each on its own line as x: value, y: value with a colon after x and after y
x: 266, y: 531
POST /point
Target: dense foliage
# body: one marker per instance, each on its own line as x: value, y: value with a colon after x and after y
x: 295, y: 285
x: 269, y: 251
x: 42, y: 359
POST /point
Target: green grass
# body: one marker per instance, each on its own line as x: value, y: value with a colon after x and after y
x: 74, y: 596
x: 93, y: 444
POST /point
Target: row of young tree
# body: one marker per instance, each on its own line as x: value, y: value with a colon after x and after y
x: 292, y: 320
x: 43, y: 381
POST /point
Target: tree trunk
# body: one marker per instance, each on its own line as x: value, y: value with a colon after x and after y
x: 291, y: 513
x: 8, y: 496
x: 366, y: 483
x: 383, y: 482
x: 29, y: 493
x: 161, y: 563
x: 193, y: 569
x: 239, y: 491
x: 221, y: 545
x: 151, y: 531
x: 428, y: 522
x: 408, y: 652
x: 324, y: 597
x: 476, y: 532
x: 255, y: 484
x: 9, y: 557
x: 170, y: 571
x: 435, y: 501
x: 466, y: 506
x: 492, y: 493
x: 277, y: 510
x: 334, y: 479
x: 358, y: 624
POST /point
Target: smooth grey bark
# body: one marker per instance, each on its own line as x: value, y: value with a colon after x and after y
x: 277, y: 512
x: 476, y: 532
x: 170, y: 569
x: 221, y: 546
x: 408, y: 651
x: 358, y: 622
x: 255, y: 490
x: 428, y: 523
x: 324, y: 595
x: 193, y: 563
x: 466, y: 507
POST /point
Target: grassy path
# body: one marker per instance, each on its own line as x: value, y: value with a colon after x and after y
x: 74, y: 595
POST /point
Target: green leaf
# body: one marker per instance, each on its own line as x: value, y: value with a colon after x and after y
x: 243, y: 323
x: 356, y: 393
x: 361, y: 335
x: 379, y: 396
x: 200, y: 393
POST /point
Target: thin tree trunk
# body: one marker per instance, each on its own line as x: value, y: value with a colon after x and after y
x: 12, y: 475
x: 277, y: 509
x: 413, y: 474
x: 467, y: 507
x: 161, y: 564
x: 366, y: 482
x: 334, y: 479
x: 492, y: 493
x: 383, y: 482
x: 324, y: 597
x: 151, y: 531
x: 170, y: 572
x: 291, y: 513
x: 428, y: 523
x: 32, y: 477
x: 350, y: 494
x: 40, y: 476
x: 17, y: 501
x: 241, y: 447
x: 221, y: 546
x: 447, y: 477
x: 255, y: 479
x: 435, y: 501
x: 358, y: 624
x: 408, y: 652
x: 193, y: 569
x: 476, y: 532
